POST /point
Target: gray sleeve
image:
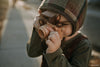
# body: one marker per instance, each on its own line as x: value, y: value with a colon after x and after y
x: 34, y: 47
x: 80, y: 57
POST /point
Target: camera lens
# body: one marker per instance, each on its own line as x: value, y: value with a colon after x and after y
x: 43, y: 32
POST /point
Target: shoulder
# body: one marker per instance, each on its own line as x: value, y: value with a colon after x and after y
x: 84, y: 41
x: 84, y: 46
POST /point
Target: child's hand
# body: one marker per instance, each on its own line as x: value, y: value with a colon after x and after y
x: 53, y: 42
x: 36, y: 23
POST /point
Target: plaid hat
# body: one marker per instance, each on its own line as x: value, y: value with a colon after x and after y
x: 73, y: 10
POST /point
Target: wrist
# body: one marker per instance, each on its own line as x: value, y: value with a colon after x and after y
x: 50, y: 51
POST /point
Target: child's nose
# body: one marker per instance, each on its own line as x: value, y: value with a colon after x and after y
x: 55, y: 28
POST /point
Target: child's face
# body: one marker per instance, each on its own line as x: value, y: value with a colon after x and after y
x: 64, y: 27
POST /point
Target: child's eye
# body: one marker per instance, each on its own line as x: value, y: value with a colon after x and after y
x: 60, y: 24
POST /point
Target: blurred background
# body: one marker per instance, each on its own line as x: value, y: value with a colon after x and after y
x: 16, y: 23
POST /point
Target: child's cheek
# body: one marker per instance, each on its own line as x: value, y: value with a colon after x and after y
x: 65, y: 32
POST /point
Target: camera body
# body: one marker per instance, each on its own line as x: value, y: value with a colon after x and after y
x: 47, y: 19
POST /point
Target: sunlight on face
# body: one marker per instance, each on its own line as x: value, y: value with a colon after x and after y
x: 66, y: 27
x: 63, y: 25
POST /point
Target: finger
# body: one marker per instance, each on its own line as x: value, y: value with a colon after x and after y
x: 36, y: 18
x: 49, y: 43
x: 36, y: 22
x: 55, y: 34
x: 36, y: 25
x: 50, y: 28
x: 52, y: 38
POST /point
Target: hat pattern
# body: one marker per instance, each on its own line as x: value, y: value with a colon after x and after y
x: 74, y: 10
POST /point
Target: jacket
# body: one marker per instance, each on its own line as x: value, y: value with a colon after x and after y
x: 79, y: 57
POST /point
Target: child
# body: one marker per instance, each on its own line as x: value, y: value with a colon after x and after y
x: 64, y: 46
